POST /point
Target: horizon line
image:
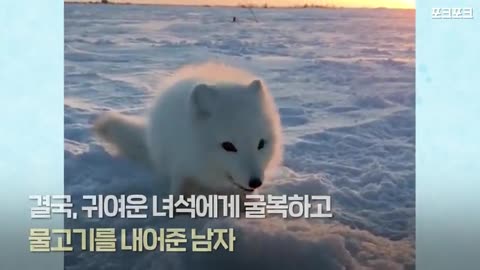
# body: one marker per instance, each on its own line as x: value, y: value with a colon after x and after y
x: 305, y: 6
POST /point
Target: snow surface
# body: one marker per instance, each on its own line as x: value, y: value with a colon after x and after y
x: 344, y: 81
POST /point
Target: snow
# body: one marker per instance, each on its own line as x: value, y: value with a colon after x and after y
x: 344, y: 82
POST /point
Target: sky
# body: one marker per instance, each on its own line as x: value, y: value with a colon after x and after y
x: 337, y: 3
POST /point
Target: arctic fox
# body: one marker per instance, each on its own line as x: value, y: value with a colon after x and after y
x: 214, y: 129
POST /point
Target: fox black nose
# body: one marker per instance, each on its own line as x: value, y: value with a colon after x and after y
x: 255, y: 182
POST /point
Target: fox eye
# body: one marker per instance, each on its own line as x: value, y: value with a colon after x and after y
x: 229, y: 147
x: 261, y: 144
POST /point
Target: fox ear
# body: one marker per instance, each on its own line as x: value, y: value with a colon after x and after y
x: 203, y: 99
x: 256, y: 85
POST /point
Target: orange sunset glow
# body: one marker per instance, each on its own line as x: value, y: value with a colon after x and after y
x: 404, y: 4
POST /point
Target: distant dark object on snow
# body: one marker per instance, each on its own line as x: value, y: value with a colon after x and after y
x: 234, y: 19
